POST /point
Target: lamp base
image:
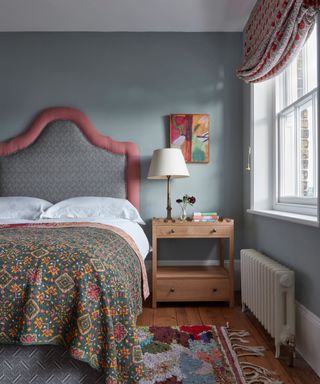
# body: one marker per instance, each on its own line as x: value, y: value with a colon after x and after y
x: 169, y: 217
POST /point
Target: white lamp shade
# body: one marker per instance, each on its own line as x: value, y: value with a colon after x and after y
x: 168, y: 162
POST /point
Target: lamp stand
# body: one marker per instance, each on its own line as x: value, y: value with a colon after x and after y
x: 169, y: 208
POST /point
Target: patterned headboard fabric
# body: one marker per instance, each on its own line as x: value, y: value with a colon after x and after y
x: 62, y: 156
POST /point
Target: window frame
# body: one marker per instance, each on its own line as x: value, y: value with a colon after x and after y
x: 260, y: 160
x: 299, y: 205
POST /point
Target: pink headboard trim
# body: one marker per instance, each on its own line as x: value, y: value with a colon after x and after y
x: 96, y: 138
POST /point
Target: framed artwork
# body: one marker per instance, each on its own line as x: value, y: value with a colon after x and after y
x: 190, y: 133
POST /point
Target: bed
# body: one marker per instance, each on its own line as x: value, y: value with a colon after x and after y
x: 70, y: 289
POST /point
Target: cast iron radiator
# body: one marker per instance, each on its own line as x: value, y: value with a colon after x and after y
x: 267, y: 289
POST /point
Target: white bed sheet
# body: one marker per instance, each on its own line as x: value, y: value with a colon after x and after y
x: 132, y: 229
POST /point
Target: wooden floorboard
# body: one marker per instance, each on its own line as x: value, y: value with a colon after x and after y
x: 220, y: 314
x: 188, y: 316
x: 165, y: 316
x: 211, y: 315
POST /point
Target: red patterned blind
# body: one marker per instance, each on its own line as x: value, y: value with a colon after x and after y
x: 274, y: 34
x: 312, y: 3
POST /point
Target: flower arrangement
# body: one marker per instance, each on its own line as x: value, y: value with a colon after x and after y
x: 184, y: 202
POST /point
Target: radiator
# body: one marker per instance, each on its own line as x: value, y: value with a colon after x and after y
x: 267, y: 289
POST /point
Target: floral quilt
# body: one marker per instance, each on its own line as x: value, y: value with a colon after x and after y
x: 76, y: 284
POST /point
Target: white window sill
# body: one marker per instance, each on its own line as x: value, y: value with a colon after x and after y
x: 293, y: 217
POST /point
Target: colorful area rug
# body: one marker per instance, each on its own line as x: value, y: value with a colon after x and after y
x: 199, y: 354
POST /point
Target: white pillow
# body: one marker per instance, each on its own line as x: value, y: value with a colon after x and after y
x: 91, y: 206
x: 21, y: 207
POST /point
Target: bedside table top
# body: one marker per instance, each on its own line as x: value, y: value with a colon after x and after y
x: 178, y: 222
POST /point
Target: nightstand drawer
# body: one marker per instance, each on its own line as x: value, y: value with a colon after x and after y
x: 193, y: 290
x: 208, y: 230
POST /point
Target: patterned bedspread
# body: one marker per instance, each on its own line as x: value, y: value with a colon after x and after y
x: 75, y: 284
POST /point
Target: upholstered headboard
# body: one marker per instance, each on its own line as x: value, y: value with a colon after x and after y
x: 62, y: 155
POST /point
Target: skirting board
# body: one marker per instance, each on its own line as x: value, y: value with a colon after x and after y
x: 308, y: 336
x: 185, y: 263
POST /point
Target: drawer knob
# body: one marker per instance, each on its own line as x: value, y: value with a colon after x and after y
x: 215, y: 290
x: 213, y: 230
x: 172, y: 231
x: 172, y: 289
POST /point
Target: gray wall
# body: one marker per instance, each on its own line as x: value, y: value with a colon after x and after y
x: 127, y: 84
x: 296, y: 245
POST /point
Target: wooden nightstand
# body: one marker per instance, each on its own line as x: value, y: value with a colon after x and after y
x: 214, y: 283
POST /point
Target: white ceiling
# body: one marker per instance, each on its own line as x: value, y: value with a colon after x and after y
x: 124, y: 15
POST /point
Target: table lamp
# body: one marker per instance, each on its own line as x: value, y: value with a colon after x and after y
x: 168, y: 163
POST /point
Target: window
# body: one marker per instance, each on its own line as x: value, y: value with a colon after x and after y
x: 283, y: 137
x: 296, y: 171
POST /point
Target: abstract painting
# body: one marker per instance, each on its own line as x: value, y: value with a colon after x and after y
x: 190, y: 133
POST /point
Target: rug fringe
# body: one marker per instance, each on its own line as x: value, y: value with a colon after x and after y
x: 253, y: 374
x: 256, y: 374
x: 246, y: 350
x: 238, y: 335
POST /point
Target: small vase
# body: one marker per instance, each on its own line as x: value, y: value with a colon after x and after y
x: 183, y: 215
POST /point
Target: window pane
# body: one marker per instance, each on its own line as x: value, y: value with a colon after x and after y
x: 307, y: 158
x: 311, y: 61
x: 300, y: 77
x: 296, y: 104
x: 287, y: 155
x: 294, y: 80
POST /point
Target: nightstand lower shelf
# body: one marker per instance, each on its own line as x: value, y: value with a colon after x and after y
x: 193, y: 284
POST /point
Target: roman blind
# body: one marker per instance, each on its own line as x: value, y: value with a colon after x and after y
x: 274, y: 34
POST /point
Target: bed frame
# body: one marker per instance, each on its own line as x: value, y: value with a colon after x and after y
x: 62, y: 155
